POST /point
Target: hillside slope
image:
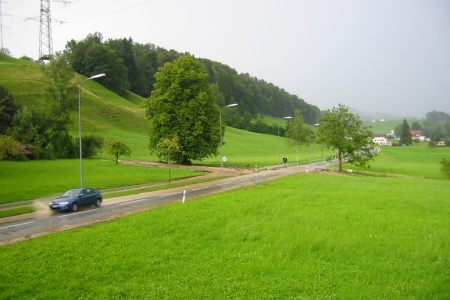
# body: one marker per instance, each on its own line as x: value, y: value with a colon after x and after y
x: 109, y: 115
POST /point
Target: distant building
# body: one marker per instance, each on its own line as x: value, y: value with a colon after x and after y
x: 417, y: 135
x: 381, y: 140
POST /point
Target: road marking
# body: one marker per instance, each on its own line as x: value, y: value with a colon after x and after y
x: 21, y: 224
x: 134, y: 201
x: 168, y: 195
x: 198, y: 189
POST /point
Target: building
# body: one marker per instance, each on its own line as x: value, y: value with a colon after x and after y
x: 417, y: 135
x: 381, y: 140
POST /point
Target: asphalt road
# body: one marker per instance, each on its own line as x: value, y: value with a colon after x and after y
x: 116, y: 207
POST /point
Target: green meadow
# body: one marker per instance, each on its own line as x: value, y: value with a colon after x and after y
x: 34, y: 179
x: 417, y: 160
x: 306, y: 236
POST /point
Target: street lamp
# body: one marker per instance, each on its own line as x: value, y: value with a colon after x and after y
x: 221, y: 139
x: 278, y: 125
x: 79, y: 122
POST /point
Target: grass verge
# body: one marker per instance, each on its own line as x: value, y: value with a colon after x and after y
x: 4, y: 213
x: 34, y: 179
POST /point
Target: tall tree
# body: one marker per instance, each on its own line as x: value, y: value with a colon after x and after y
x: 182, y: 110
x: 298, y: 133
x: 59, y: 72
x: 8, y: 109
x: 405, y: 133
x: 341, y: 130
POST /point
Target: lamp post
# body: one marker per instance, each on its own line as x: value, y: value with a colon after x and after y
x: 278, y: 126
x: 79, y: 122
x: 221, y: 139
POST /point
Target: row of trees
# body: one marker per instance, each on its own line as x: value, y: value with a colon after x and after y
x: 132, y: 66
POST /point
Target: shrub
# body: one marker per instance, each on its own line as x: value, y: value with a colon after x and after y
x: 10, y: 149
x: 445, y: 167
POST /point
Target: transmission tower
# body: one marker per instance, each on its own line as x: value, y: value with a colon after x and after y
x: 45, y: 31
x: 2, y: 14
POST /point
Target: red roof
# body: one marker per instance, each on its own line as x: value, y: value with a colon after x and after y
x: 416, y: 132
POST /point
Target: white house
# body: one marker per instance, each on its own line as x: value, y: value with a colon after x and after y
x: 381, y: 140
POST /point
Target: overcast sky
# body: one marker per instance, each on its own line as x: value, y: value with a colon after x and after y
x: 389, y: 56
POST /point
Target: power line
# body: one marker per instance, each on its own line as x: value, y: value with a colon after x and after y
x: 111, y: 12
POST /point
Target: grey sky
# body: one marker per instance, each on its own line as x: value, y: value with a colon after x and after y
x: 375, y: 56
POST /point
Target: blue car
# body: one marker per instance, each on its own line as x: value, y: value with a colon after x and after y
x: 72, y: 200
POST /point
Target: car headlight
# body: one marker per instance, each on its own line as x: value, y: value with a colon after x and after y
x: 63, y: 203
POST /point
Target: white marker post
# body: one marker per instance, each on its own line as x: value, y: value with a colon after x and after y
x: 184, y: 196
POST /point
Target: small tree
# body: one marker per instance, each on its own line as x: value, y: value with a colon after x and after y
x: 298, y: 133
x: 445, y: 167
x: 405, y: 133
x: 344, y: 131
x: 7, y: 109
x: 118, y: 149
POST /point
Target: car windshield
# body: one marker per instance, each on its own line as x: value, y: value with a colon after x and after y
x: 71, y: 193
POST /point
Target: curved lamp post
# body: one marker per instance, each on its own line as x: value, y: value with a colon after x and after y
x: 221, y: 139
x: 79, y: 122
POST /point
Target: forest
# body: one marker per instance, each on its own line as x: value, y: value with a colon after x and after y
x: 131, y: 67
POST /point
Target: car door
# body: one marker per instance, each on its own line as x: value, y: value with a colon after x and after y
x: 83, y: 198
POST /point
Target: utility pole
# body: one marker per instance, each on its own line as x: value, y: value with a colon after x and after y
x: 45, y: 31
x: 45, y: 28
x: 2, y: 14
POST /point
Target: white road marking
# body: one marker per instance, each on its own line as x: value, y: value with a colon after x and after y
x: 168, y: 195
x: 21, y: 224
x: 198, y: 189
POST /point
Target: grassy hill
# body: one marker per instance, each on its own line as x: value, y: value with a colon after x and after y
x: 112, y: 116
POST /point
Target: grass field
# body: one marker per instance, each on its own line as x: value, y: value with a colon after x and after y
x: 307, y: 236
x: 248, y: 149
x: 34, y: 179
x: 416, y: 160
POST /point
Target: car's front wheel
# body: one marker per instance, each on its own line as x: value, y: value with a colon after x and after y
x: 98, y: 203
x: 75, y: 207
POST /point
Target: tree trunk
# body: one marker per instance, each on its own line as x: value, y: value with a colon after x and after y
x: 340, y: 161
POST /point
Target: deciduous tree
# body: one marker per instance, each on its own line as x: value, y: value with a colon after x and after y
x: 341, y: 130
x: 182, y: 109
x: 8, y: 109
x: 298, y: 133
x: 118, y: 149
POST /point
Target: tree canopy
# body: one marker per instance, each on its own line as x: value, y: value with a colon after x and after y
x: 181, y: 110
x: 341, y: 130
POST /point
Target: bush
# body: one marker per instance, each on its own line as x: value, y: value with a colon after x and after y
x: 445, y: 167
x: 90, y: 145
x: 10, y: 149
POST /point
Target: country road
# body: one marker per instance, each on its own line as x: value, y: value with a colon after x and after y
x: 116, y: 207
